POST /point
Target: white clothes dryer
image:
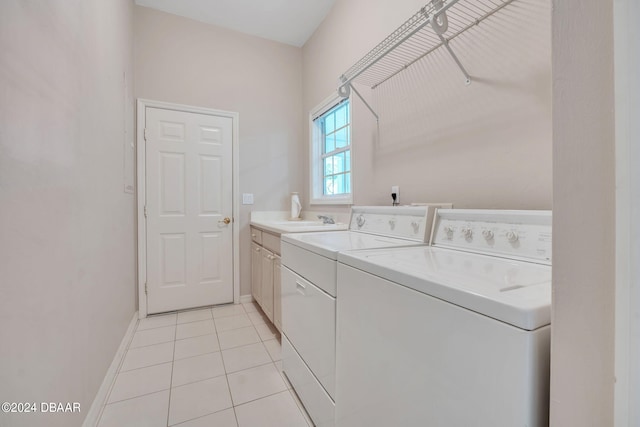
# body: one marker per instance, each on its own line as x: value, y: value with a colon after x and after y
x: 452, y: 335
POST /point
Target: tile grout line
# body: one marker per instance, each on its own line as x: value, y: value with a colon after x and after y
x: 141, y: 395
x: 198, y: 381
x: 173, y: 359
x: 288, y: 390
x: 268, y: 395
x: 191, y: 323
x: 278, y: 337
x: 300, y: 406
x: 195, y: 336
x: 210, y: 310
x: 252, y: 367
x: 242, y: 346
x: 201, y: 416
x: 174, y: 324
x: 226, y: 376
x: 155, y: 343
x: 201, y: 354
x: 130, y: 370
x: 155, y: 327
x: 262, y: 340
x: 263, y: 397
x: 158, y: 316
x: 113, y: 383
x: 145, y: 366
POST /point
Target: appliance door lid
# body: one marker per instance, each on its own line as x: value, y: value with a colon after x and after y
x: 330, y: 243
x: 514, y: 292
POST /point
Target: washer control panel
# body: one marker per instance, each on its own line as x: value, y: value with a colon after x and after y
x: 406, y: 222
x: 524, y: 235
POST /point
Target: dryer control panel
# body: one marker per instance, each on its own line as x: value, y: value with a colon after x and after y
x: 406, y: 222
x: 522, y: 235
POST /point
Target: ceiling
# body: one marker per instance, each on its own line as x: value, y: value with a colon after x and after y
x: 286, y: 21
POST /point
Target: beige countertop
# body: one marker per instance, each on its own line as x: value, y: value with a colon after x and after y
x: 277, y: 222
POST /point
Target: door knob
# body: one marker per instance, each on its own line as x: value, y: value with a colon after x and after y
x: 227, y: 220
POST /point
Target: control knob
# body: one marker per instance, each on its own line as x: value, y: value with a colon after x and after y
x: 487, y: 234
x: 448, y: 231
x: 512, y: 236
x: 360, y: 220
x: 466, y: 232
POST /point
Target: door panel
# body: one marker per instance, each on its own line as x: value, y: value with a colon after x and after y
x: 172, y: 184
x: 188, y: 160
x: 211, y: 174
x: 211, y: 252
x: 267, y: 283
x: 173, y: 252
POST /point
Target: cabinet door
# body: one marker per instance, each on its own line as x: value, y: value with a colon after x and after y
x: 277, y: 292
x: 256, y: 272
x: 267, y: 283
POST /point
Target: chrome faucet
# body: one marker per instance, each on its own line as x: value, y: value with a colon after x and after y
x: 326, y: 219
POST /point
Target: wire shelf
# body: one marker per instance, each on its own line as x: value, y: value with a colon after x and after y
x: 416, y: 39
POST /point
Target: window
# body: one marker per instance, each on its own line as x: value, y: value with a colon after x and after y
x: 331, y: 153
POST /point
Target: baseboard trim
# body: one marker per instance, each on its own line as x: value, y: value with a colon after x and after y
x: 244, y: 299
x: 93, y: 416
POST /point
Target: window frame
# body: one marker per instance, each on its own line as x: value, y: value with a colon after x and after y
x: 316, y: 155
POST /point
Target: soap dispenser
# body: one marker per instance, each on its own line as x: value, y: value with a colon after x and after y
x: 296, y: 207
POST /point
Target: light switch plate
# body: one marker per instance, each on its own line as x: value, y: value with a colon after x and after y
x: 247, y: 198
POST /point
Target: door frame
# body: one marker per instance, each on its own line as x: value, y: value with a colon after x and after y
x: 142, y: 104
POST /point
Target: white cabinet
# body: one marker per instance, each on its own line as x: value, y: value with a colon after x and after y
x: 256, y: 272
x: 265, y: 273
x: 310, y: 325
x: 277, y: 293
x: 267, y: 283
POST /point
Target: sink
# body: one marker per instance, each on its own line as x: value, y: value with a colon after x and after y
x: 284, y: 226
x: 306, y: 224
x: 300, y: 223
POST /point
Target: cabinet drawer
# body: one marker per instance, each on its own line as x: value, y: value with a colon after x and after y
x: 309, y: 322
x: 320, y: 271
x: 316, y: 401
x: 256, y: 235
x: 271, y: 242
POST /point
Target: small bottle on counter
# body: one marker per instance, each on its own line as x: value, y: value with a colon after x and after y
x: 296, y: 207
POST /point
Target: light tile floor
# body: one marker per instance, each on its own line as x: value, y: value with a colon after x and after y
x: 209, y: 367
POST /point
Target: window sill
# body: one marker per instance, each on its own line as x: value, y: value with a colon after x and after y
x: 332, y: 201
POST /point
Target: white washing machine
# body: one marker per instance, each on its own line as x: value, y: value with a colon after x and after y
x: 309, y: 278
x: 452, y: 335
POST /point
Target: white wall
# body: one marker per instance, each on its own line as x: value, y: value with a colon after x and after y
x: 627, y: 106
x: 188, y: 62
x: 582, y: 347
x: 67, y: 248
x: 489, y: 145
x: 483, y: 145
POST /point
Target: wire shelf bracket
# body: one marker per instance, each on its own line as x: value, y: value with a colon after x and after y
x: 413, y: 41
x: 345, y: 90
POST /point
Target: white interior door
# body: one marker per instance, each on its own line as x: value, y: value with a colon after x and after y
x: 189, y: 240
